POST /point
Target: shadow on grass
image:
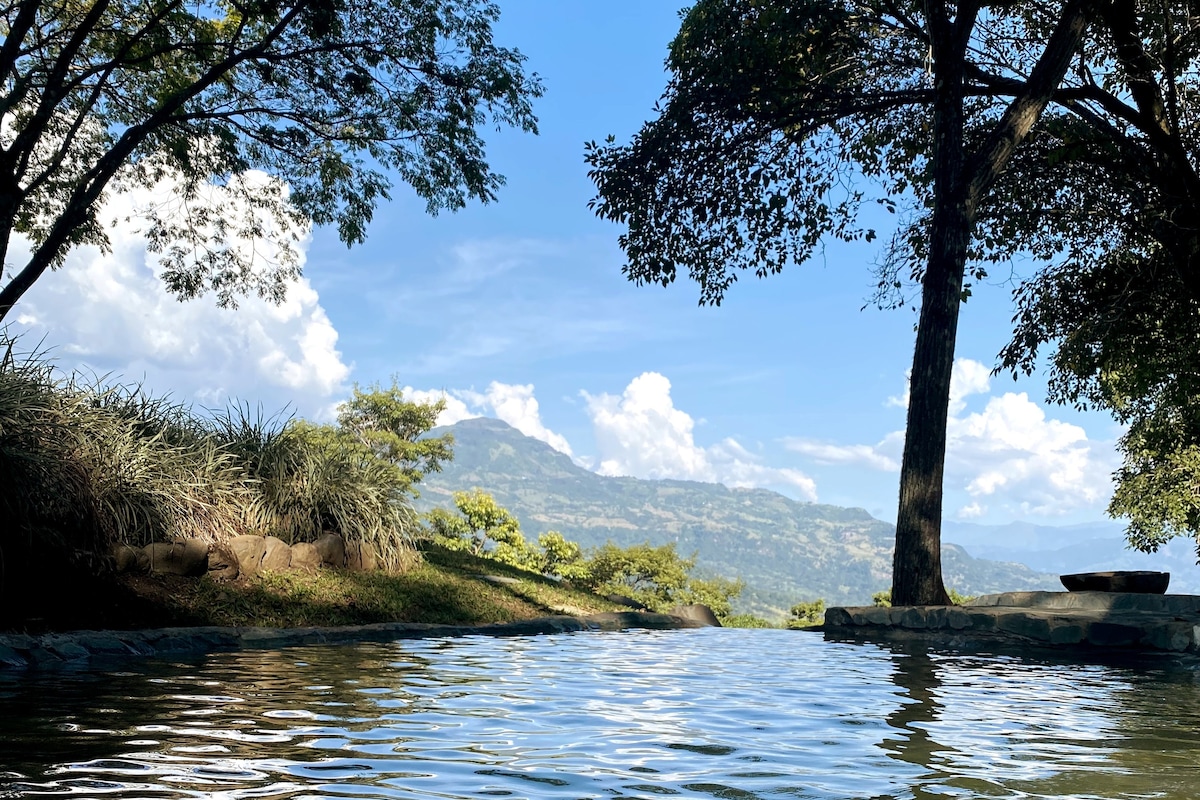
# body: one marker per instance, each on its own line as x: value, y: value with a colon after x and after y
x: 447, y: 588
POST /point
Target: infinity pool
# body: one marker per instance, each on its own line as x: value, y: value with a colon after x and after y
x: 712, y: 713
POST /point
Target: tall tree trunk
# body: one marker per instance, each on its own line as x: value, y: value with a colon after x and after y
x: 917, y: 560
x: 960, y: 182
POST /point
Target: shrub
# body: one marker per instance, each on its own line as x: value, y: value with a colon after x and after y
x: 804, y: 615
x: 884, y: 598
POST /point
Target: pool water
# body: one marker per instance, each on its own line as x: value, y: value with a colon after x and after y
x: 710, y: 713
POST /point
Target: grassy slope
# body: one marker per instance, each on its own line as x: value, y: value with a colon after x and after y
x: 445, y: 588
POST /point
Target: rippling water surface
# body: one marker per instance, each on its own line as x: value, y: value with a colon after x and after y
x: 703, y: 713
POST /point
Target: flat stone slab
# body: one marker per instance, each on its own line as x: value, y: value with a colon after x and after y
x: 23, y: 651
x: 1168, y: 623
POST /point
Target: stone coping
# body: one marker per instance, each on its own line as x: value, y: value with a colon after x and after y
x: 1094, y: 601
x: 80, y: 648
x: 1077, y: 620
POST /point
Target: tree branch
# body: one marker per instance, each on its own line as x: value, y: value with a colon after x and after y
x: 991, y: 158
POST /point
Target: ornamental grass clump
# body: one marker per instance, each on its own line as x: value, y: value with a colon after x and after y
x: 86, y: 464
x: 313, y: 478
x: 156, y: 472
x: 45, y: 482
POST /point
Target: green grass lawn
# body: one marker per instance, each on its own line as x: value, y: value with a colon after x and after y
x: 440, y: 587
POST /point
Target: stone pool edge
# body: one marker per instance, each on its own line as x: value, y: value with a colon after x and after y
x: 25, y: 651
x: 1096, y: 622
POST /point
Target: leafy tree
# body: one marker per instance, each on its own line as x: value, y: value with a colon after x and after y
x: 806, y: 614
x: 1113, y: 221
x: 326, y: 97
x: 657, y: 577
x: 716, y: 592
x: 774, y: 109
x: 394, y: 429
x: 562, y: 557
x: 745, y: 621
x: 379, y: 427
x: 483, y: 528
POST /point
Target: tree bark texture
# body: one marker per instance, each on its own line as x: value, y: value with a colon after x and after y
x: 961, y: 181
x: 917, y: 560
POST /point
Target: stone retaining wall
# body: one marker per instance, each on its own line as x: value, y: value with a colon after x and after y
x: 1170, y: 623
x: 244, y: 555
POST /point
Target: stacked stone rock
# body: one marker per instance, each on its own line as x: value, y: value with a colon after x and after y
x: 245, y: 555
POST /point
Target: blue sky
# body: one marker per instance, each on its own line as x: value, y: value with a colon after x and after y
x: 518, y: 309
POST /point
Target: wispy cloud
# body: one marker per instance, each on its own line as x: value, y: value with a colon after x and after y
x: 862, y: 455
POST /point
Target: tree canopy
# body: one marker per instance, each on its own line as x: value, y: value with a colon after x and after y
x: 1115, y: 223
x: 252, y: 117
x: 782, y: 120
x: 395, y: 429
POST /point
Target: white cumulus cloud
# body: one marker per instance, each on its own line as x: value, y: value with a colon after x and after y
x: 109, y: 312
x: 1011, y: 450
x: 967, y: 378
x: 640, y: 433
x: 511, y: 403
x: 1009, y: 453
x: 455, y: 410
x: 863, y: 455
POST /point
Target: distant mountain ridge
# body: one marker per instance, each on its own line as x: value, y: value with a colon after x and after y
x: 785, y: 550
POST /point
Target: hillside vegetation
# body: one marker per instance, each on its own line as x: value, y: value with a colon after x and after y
x: 784, y: 550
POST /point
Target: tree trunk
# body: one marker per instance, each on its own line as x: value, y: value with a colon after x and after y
x: 960, y: 183
x: 917, y: 560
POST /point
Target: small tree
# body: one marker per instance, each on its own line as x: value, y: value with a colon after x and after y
x: 394, y: 429
x: 562, y: 557
x: 657, y: 577
x: 326, y: 98
x: 807, y: 614
x: 483, y: 528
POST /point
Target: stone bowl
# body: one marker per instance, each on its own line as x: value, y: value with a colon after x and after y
x: 1139, y: 581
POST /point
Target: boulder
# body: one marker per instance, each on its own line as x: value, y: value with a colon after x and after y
x: 697, y: 612
x: 185, y: 557
x: 332, y: 549
x: 278, y: 555
x: 361, y: 557
x: 222, y: 562
x: 305, y: 557
x: 249, y: 551
x: 127, y: 558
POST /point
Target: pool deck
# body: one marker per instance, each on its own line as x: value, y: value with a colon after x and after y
x: 1093, y: 620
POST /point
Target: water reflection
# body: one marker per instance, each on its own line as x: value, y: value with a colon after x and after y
x: 1001, y: 726
x: 746, y: 714
x: 916, y: 676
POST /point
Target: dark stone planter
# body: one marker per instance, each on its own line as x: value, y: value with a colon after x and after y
x: 1138, y: 581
